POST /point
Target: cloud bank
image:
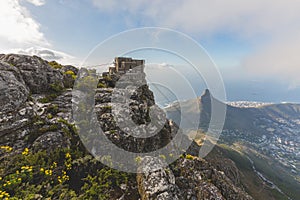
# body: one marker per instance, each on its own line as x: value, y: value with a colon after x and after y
x: 37, y: 2
x: 49, y: 54
x: 276, y: 23
x: 18, y: 28
x: 200, y: 16
x: 280, y: 59
x: 21, y: 33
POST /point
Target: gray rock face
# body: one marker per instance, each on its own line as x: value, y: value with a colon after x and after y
x: 197, y: 179
x: 36, y: 125
x: 50, y: 140
x: 22, y: 118
x: 190, y: 179
x: 13, y: 92
x: 37, y: 74
x: 68, y: 79
x: 155, y: 181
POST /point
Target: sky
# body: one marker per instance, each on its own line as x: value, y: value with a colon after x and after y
x: 254, y: 44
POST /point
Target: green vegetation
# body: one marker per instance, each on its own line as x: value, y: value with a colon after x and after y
x: 162, y: 157
x: 55, y: 90
x: 107, y: 78
x: 71, y: 73
x: 100, y: 185
x: 277, y: 174
x: 55, y: 65
x: 190, y: 157
x: 86, y: 83
x: 31, y: 175
x: 107, y: 107
x: 101, y: 85
x: 53, y: 109
x: 249, y: 179
x: 58, y: 174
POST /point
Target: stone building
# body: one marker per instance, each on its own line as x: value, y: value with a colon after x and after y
x: 126, y: 64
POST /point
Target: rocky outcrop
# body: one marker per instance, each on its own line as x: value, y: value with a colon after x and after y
x: 38, y: 123
x: 187, y: 178
x: 37, y: 74
x: 13, y: 91
x: 25, y: 82
x: 155, y: 181
x: 198, y: 179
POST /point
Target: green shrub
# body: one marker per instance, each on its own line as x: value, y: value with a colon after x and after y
x: 53, y: 109
x: 69, y: 72
x: 44, y: 100
x: 86, y: 83
x: 55, y: 65
x: 101, y: 85
x: 189, y: 157
x: 98, y: 187
x: 56, y: 87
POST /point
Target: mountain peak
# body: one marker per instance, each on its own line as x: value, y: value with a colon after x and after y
x: 206, y: 93
x: 206, y: 97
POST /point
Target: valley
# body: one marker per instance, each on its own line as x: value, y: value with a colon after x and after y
x: 267, y: 135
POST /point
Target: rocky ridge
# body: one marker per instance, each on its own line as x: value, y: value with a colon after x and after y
x: 36, y: 113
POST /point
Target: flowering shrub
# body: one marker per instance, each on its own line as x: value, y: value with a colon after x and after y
x: 6, y: 148
x: 69, y: 173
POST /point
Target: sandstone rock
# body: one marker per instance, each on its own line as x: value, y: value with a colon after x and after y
x: 37, y: 74
x: 201, y: 180
x: 156, y: 181
x: 13, y: 92
x: 68, y: 77
x: 50, y: 141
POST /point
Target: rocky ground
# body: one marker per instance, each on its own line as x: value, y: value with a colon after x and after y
x: 36, y: 124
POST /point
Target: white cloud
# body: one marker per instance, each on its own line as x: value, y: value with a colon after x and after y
x: 18, y: 28
x: 37, y: 2
x: 242, y: 17
x: 48, y: 54
x: 20, y: 33
x: 276, y: 23
x: 279, y: 59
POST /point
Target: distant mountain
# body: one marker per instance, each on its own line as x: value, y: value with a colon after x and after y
x: 260, y: 119
x: 269, y: 131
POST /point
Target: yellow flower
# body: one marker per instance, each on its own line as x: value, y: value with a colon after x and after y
x: 48, y: 172
x: 4, y: 194
x: 68, y: 165
x: 42, y: 169
x: 26, y: 168
x: 68, y: 155
x: 59, y: 179
x: 7, y: 148
x: 25, y: 152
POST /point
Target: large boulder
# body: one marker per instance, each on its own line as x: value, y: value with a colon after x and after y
x: 13, y: 91
x: 37, y: 74
x: 155, y: 181
x: 70, y: 73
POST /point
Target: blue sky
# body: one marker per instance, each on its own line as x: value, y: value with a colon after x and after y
x: 255, y: 44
